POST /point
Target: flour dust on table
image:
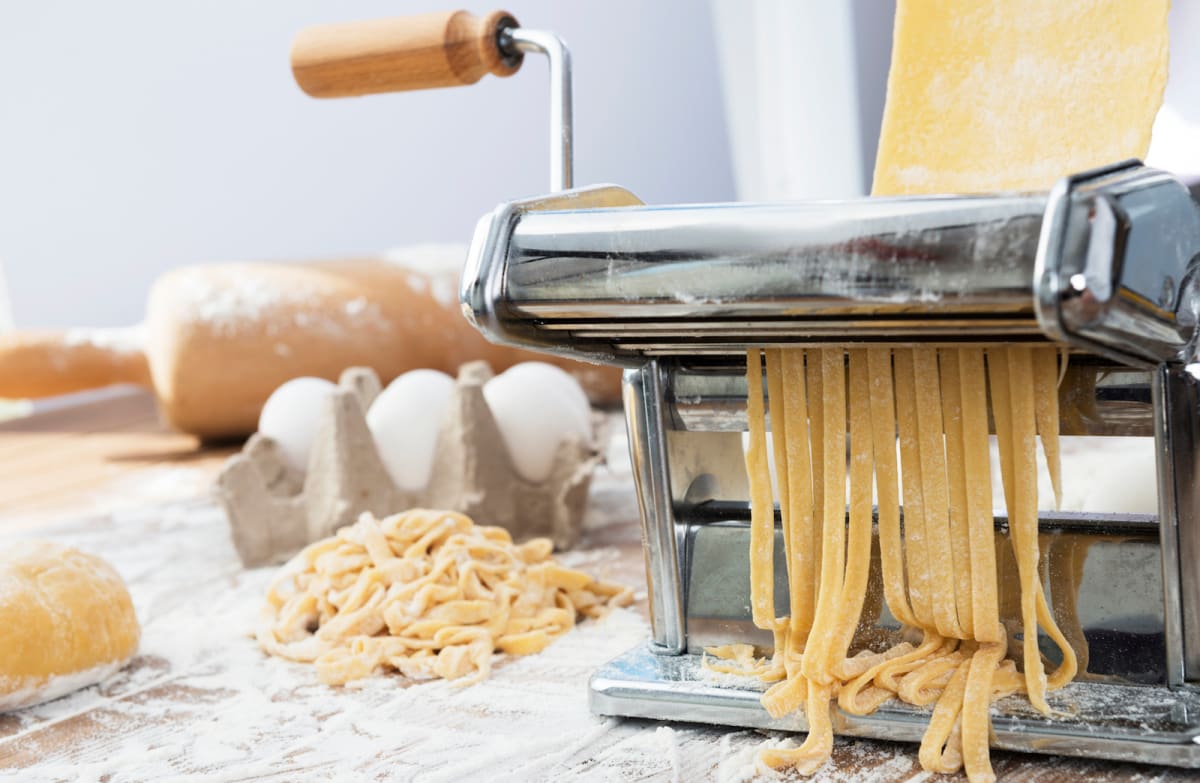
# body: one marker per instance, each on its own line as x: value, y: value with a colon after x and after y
x: 200, y: 699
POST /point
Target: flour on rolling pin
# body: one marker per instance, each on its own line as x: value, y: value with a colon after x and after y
x: 232, y: 305
x: 515, y: 450
x: 440, y: 263
x: 130, y: 339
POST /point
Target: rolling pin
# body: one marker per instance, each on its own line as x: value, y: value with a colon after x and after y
x: 218, y: 339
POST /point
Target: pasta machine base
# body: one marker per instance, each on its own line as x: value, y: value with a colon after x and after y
x: 1151, y: 724
x: 1122, y: 712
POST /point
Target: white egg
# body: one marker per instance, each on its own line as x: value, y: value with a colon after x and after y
x: 290, y: 417
x: 405, y: 420
x: 537, y: 373
x: 535, y: 413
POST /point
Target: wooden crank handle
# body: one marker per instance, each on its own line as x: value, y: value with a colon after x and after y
x: 403, y: 53
x: 45, y: 363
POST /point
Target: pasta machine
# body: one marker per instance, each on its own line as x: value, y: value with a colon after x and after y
x: 1104, y: 265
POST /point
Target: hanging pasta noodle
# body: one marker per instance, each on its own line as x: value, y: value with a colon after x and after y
x: 762, y: 508
x: 801, y: 530
x: 959, y: 666
x: 916, y: 557
x: 883, y: 434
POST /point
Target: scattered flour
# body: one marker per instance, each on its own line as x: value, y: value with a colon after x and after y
x: 152, y: 486
x: 13, y: 409
x: 57, y: 686
x: 441, y: 264
x: 232, y: 304
x: 727, y: 680
x: 742, y: 766
x: 201, y: 702
x: 229, y: 303
x: 127, y: 340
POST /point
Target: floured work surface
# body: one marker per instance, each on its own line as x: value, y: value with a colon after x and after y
x: 201, y: 699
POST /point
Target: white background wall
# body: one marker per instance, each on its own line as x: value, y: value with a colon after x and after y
x: 137, y: 135
x: 804, y: 83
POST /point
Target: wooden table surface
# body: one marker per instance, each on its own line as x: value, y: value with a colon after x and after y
x: 201, y: 702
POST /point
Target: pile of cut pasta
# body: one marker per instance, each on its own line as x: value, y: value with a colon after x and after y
x: 425, y: 593
x: 837, y: 416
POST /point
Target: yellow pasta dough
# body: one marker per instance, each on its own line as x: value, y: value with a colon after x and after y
x: 427, y: 594
x: 66, y: 622
x: 987, y: 95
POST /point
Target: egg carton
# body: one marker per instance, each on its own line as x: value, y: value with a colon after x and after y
x: 274, y: 510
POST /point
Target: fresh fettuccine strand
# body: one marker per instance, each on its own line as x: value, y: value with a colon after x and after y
x: 980, y: 522
x: 800, y: 498
x: 1067, y: 557
x: 779, y: 446
x: 939, y: 753
x: 977, y: 697
x: 821, y: 648
x: 883, y: 433
x: 935, y: 501
x: 762, y: 508
x: 956, y: 474
x: 1023, y: 524
x: 1023, y: 513
x: 858, y: 546
x: 816, y: 420
x: 915, y: 539
x: 817, y: 746
x: 1045, y: 388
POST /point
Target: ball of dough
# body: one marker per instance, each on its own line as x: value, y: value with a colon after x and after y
x: 405, y: 420
x: 291, y: 415
x: 66, y: 622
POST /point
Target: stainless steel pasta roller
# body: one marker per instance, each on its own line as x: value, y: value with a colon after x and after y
x: 1103, y: 265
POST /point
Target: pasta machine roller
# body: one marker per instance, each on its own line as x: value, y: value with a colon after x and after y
x: 1105, y: 265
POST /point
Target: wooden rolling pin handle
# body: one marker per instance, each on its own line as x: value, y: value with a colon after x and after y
x: 404, y: 53
x: 37, y: 364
